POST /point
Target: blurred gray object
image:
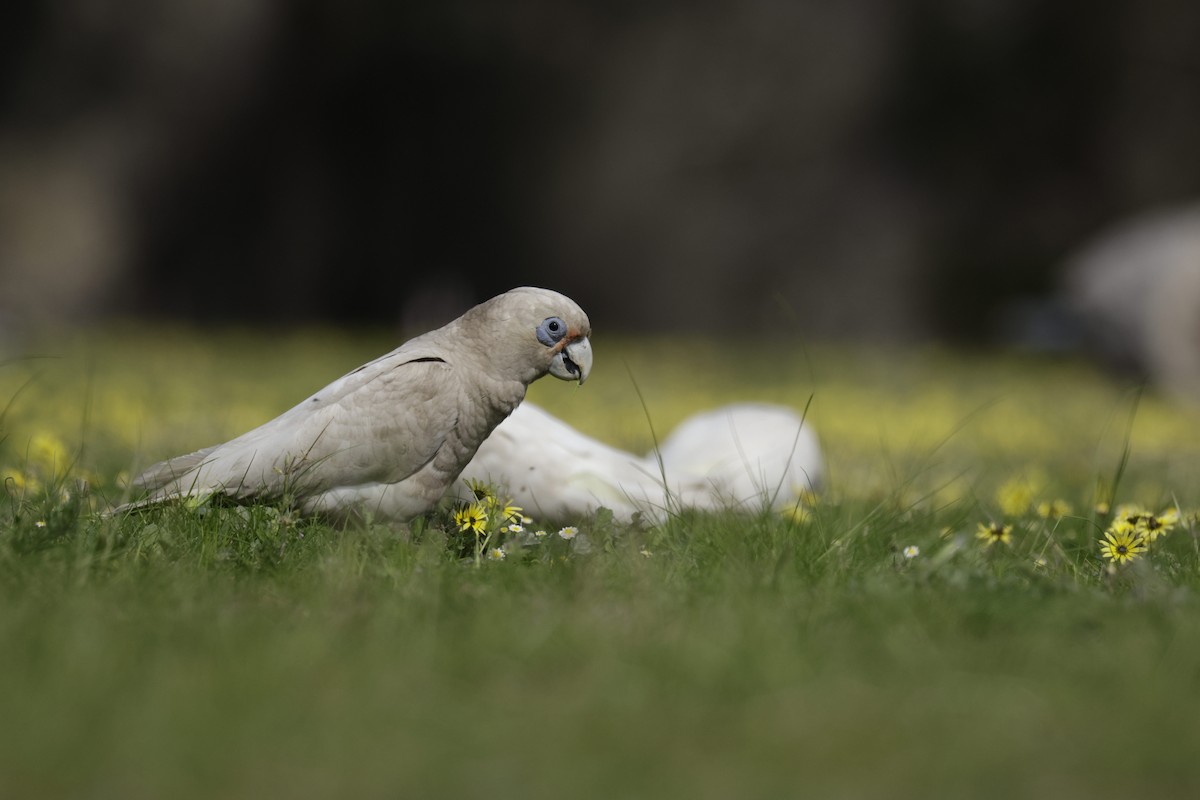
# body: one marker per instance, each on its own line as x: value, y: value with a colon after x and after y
x: 1135, y: 288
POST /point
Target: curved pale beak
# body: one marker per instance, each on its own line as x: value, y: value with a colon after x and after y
x: 573, y: 362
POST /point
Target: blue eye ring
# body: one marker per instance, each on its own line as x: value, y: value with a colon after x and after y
x: 551, y: 331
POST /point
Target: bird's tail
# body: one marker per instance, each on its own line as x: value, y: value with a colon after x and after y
x: 171, y: 470
x: 163, y: 480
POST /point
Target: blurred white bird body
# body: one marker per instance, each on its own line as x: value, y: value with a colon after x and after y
x: 390, y: 437
x: 555, y: 472
x: 746, y: 456
x: 1136, y: 288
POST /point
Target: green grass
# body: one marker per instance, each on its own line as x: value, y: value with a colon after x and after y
x: 244, y: 653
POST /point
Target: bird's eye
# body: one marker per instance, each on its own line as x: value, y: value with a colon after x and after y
x: 551, y: 331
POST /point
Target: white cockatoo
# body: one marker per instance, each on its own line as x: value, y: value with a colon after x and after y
x: 744, y: 456
x: 389, y: 438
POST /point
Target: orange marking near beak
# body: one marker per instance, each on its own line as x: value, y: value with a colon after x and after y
x: 573, y: 335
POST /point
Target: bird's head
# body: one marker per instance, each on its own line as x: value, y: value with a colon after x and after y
x: 543, y: 330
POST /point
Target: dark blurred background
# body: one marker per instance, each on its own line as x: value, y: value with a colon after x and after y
x: 864, y: 168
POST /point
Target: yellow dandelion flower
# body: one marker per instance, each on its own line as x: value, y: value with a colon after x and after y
x: 510, y: 512
x: 1054, y: 509
x: 1122, y: 545
x: 1156, y: 525
x: 48, y: 452
x: 482, y: 491
x: 1016, y: 496
x: 1122, y: 526
x: 992, y: 532
x: 1130, y: 513
x: 471, y: 517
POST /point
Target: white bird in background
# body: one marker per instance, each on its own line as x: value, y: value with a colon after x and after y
x: 746, y: 453
x: 745, y: 456
x: 392, y: 436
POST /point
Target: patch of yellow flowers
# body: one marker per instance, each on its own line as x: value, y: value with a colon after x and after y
x: 1133, y: 530
x: 497, y: 524
x: 1131, y: 533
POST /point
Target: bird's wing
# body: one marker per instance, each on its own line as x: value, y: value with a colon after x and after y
x: 380, y: 423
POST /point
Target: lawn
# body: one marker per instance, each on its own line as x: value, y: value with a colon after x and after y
x: 870, y: 644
